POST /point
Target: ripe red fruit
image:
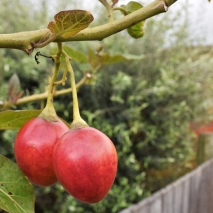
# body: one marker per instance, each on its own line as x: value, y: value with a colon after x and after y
x: 33, y: 149
x: 85, y: 163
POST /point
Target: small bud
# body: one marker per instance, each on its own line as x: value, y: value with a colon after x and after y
x: 14, y: 88
x: 89, y: 75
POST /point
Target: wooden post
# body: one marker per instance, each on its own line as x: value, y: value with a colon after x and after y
x: 204, y: 147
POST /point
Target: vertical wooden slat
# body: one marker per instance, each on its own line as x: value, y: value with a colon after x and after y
x: 186, y: 191
x: 156, y: 205
x: 204, y: 188
x: 178, y: 196
x: 144, y: 206
x: 210, y: 187
x: 167, y: 199
x: 194, y: 190
x: 131, y: 209
x: 163, y: 193
x: 125, y: 211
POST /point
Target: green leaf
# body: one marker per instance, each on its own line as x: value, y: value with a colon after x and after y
x: 93, y: 58
x: 76, y: 55
x: 69, y: 23
x: 136, y: 31
x: 110, y: 59
x: 68, y: 124
x: 98, y: 60
x: 15, y: 119
x: 65, y: 24
x: 132, y: 6
x: 16, y: 191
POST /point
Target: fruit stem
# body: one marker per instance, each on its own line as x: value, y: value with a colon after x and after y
x: 78, y: 122
x: 49, y: 113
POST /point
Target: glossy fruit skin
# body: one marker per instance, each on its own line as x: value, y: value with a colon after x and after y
x: 85, y: 163
x: 33, y: 149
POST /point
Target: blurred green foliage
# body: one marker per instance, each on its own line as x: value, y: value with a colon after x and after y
x: 145, y: 106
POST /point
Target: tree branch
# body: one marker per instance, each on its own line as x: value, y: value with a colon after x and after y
x: 43, y: 96
x: 24, y: 40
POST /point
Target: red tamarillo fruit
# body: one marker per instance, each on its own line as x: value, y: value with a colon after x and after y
x: 34, y: 146
x: 85, y: 163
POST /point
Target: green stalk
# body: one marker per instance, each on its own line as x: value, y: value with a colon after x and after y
x: 78, y: 122
x: 109, y: 9
x: 49, y: 113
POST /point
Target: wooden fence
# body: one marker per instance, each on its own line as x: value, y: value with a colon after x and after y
x: 192, y: 193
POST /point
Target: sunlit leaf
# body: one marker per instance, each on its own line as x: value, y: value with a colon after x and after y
x: 136, y: 31
x: 69, y: 23
x: 16, y: 191
x: 15, y: 119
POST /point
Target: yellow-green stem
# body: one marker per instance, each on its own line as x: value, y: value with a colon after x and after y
x: 78, y: 122
x: 49, y: 113
x: 109, y: 9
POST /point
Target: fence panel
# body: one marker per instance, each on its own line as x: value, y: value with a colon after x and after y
x: 191, y: 193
